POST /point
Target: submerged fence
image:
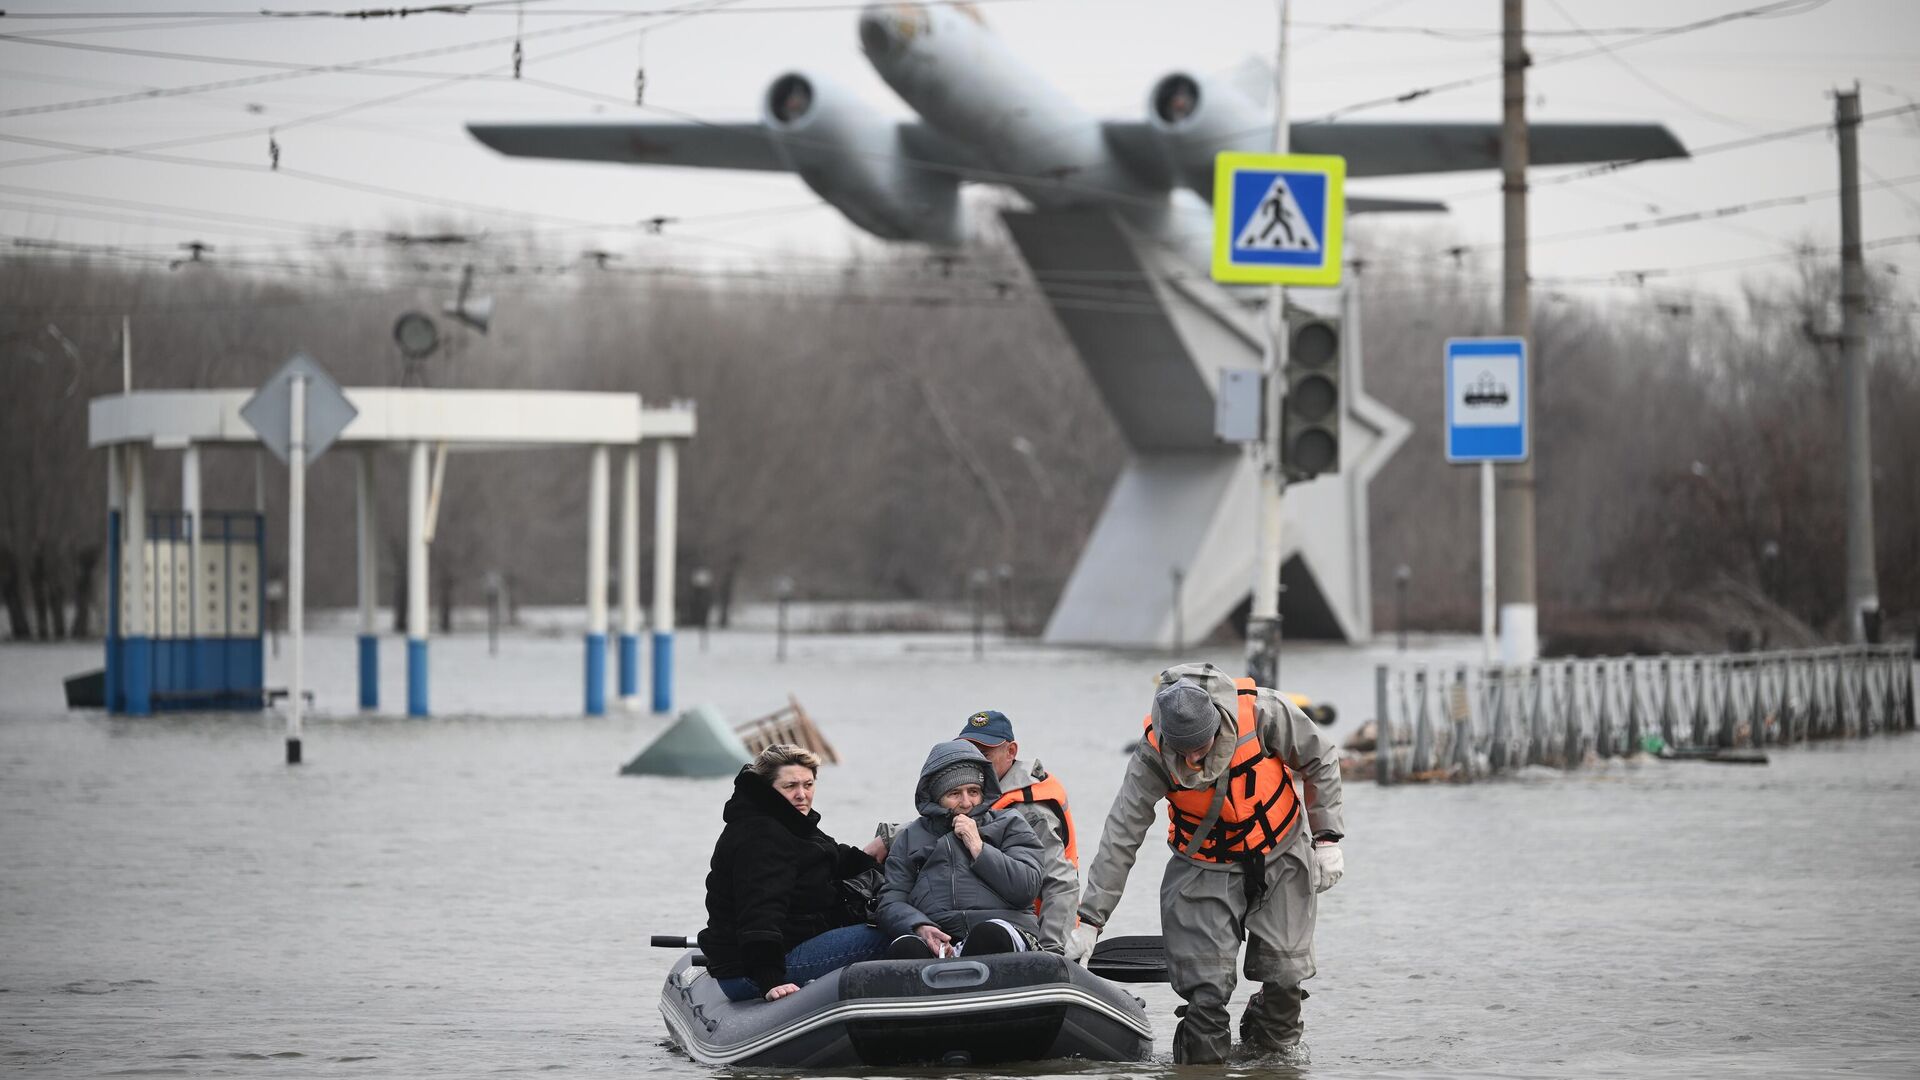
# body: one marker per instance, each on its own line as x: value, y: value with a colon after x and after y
x: 1464, y: 722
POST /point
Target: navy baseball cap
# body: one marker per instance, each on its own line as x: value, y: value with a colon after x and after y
x: 989, y: 727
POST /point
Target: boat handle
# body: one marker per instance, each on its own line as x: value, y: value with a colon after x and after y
x: 953, y: 976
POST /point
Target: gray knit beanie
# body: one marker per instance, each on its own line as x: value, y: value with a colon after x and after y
x: 954, y: 775
x: 1184, y: 716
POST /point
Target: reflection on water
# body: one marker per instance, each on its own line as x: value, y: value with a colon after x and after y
x: 469, y: 895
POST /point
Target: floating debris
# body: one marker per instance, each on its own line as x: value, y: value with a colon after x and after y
x: 699, y: 743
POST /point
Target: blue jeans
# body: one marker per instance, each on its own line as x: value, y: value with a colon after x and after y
x: 815, y: 957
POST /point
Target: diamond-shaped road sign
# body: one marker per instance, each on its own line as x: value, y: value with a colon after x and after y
x: 1278, y: 218
x: 269, y: 412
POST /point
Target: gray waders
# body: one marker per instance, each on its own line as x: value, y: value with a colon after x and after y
x: 1206, y: 910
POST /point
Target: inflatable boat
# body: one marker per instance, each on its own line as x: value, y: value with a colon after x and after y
x: 960, y: 1011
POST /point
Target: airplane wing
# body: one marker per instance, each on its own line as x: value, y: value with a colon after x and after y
x: 745, y: 145
x: 1376, y: 204
x: 713, y: 146
x: 1399, y: 149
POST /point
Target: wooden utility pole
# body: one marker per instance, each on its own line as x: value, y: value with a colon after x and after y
x: 1519, y: 612
x: 1863, y: 590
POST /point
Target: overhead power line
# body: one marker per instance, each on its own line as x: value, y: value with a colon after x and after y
x: 1687, y: 217
x: 481, y: 7
x: 282, y: 70
x: 1608, y: 168
x: 1774, y: 10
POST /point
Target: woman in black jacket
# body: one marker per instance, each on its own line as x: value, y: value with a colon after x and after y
x: 775, y: 921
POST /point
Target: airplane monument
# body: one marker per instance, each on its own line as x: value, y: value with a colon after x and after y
x: 1101, y: 208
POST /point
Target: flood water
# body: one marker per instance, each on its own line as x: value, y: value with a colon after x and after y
x: 472, y: 895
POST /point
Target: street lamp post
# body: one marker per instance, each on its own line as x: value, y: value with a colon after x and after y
x: 702, y: 599
x: 1179, y: 616
x: 783, y: 588
x: 1003, y: 578
x: 1401, y: 575
x: 977, y: 582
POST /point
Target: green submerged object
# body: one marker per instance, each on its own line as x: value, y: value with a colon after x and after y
x: 699, y: 743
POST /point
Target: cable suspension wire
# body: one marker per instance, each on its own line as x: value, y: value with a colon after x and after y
x: 145, y: 152
x: 964, y: 172
x: 1687, y: 217
x: 1782, y: 7
x: 283, y: 70
x: 479, y: 7
x: 1612, y: 167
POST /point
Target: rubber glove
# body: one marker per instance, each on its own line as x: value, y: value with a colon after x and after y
x: 1080, y: 943
x: 1329, y: 865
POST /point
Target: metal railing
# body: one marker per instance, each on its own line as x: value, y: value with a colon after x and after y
x: 1468, y: 721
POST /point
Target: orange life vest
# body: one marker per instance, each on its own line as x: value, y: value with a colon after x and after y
x: 1048, y: 789
x: 1045, y: 790
x: 1257, y: 802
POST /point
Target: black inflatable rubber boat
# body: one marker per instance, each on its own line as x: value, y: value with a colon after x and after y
x: 961, y: 1011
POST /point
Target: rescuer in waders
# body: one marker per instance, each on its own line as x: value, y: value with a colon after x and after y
x: 1249, y: 853
x: 1038, y: 795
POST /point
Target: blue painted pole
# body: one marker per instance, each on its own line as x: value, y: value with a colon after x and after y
x: 596, y: 674
x: 369, y: 672
x: 416, y: 677
x: 666, y: 496
x: 137, y: 647
x: 114, y: 672
x: 663, y: 671
x: 137, y: 657
x: 598, y: 467
x: 629, y: 666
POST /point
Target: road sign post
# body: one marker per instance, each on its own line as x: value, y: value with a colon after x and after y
x: 1278, y: 221
x: 298, y: 413
x: 1486, y: 386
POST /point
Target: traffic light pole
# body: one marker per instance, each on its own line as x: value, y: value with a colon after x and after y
x: 1263, y: 622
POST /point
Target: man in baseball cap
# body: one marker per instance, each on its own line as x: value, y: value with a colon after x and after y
x: 1038, y: 795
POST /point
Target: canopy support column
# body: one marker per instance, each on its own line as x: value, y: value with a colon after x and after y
x: 597, y: 583
x: 137, y: 649
x: 630, y: 578
x: 116, y: 501
x: 417, y: 579
x: 368, y: 563
x: 666, y: 492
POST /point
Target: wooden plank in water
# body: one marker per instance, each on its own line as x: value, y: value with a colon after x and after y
x: 790, y: 725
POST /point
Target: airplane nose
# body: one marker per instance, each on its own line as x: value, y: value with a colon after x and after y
x: 887, y: 28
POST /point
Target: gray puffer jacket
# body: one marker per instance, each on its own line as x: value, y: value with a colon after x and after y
x: 932, y: 879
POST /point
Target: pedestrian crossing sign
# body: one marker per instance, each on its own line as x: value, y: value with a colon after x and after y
x: 1278, y: 218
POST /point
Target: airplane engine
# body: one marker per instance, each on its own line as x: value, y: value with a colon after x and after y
x: 1197, y: 117
x: 855, y: 159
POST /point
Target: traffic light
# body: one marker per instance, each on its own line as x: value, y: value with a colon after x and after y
x: 1310, y: 423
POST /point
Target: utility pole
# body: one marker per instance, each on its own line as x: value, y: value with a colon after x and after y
x: 1263, y: 622
x: 1863, y: 590
x: 1519, y: 612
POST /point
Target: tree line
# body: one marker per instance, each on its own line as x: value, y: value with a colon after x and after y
x: 886, y: 426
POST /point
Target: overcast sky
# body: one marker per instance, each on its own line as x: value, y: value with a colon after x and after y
x: 404, y: 132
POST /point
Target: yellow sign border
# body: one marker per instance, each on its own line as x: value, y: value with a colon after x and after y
x: 1232, y: 162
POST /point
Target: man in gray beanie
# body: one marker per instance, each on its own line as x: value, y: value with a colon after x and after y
x: 1224, y: 755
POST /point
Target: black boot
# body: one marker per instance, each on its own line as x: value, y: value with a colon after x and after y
x: 1272, y: 1019
x: 909, y: 947
x: 991, y: 937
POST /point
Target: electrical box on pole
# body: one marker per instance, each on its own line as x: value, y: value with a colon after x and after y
x: 1310, y: 417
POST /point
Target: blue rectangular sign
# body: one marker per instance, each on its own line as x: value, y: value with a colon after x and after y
x: 1486, y: 400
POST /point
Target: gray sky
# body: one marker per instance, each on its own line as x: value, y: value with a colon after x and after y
x: 1712, y: 86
